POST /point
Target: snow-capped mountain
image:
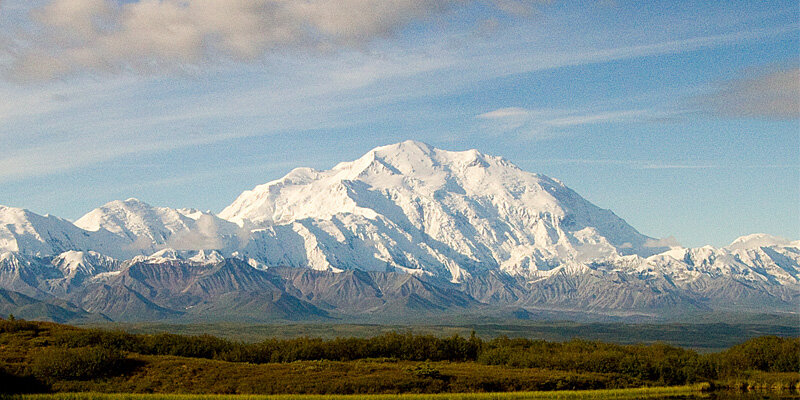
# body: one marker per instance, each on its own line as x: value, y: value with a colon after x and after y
x: 418, y: 209
x: 29, y: 233
x: 75, y: 266
x: 149, y: 229
x: 772, y: 261
x: 120, y: 229
x: 406, y: 229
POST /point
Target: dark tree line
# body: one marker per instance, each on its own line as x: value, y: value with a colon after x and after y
x: 390, y: 345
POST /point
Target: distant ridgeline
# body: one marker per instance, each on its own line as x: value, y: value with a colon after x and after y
x: 39, y: 356
x: 405, y: 231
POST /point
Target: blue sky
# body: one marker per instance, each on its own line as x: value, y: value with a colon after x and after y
x: 682, y: 117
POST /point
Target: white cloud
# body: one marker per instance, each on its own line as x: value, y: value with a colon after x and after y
x: 668, y: 241
x: 501, y: 113
x: 545, y: 123
x: 152, y: 35
x: 600, y: 118
x: 773, y: 95
x: 203, y: 236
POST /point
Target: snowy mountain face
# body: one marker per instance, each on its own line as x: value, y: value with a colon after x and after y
x: 414, y: 208
x: 79, y: 265
x: 29, y: 233
x: 148, y: 229
x: 121, y: 229
x: 406, y: 229
x: 773, y: 263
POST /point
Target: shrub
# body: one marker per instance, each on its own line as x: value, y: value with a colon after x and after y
x: 766, y: 353
x: 425, y: 371
x: 86, y: 363
x: 17, y: 325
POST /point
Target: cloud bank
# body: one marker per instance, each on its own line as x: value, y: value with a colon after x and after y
x: 204, y: 235
x: 668, y: 241
x: 67, y: 36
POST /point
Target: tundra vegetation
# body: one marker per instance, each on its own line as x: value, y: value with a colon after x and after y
x: 41, y: 357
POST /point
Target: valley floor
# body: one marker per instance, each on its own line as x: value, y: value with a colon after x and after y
x: 715, y: 333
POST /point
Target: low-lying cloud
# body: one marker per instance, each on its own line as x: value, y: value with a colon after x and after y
x: 668, y: 241
x: 150, y: 35
x: 204, y: 235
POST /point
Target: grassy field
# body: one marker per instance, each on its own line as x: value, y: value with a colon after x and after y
x: 636, y: 393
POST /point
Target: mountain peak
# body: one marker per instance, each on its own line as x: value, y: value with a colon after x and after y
x: 30, y: 233
x: 392, y: 156
x: 420, y: 152
x: 407, y: 150
x: 134, y: 219
x: 412, y: 207
x: 757, y: 240
x: 406, y: 145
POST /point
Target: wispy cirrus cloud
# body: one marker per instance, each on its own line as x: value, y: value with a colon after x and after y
x: 531, y: 58
x: 503, y: 113
x: 545, y: 123
x: 602, y: 118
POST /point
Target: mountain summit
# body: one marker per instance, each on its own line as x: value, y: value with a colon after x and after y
x: 415, y: 208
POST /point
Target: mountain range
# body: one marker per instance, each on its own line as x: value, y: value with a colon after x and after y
x: 405, y: 231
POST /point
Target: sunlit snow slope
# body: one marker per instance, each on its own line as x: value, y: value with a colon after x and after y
x: 412, y: 207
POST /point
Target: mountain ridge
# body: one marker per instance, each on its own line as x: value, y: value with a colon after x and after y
x: 405, y: 229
